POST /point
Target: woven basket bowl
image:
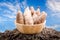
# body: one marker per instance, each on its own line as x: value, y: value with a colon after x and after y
x: 29, y: 29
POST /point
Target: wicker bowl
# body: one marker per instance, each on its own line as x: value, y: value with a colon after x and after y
x: 29, y: 29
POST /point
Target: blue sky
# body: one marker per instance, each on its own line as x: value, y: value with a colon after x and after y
x: 8, y: 10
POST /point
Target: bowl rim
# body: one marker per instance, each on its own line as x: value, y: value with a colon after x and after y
x: 28, y: 24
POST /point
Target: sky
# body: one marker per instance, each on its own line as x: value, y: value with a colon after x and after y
x: 8, y: 11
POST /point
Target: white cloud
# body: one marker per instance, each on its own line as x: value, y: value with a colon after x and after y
x: 54, y: 5
x: 56, y: 14
x: 2, y: 19
x: 8, y: 13
x: 10, y: 6
x: 12, y: 9
x: 9, y: 16
x: 24, y: 4
x: 56, y: 26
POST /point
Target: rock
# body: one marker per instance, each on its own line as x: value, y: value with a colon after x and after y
x: 46, y: 34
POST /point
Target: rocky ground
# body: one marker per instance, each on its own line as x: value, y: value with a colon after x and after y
x: 46, y: 34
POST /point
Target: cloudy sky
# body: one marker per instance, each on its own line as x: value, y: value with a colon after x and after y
x: 8, y: 10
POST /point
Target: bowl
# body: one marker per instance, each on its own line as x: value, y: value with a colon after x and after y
x: 29, y: 29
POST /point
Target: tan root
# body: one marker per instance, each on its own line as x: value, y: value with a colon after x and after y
x: 19, y: 18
